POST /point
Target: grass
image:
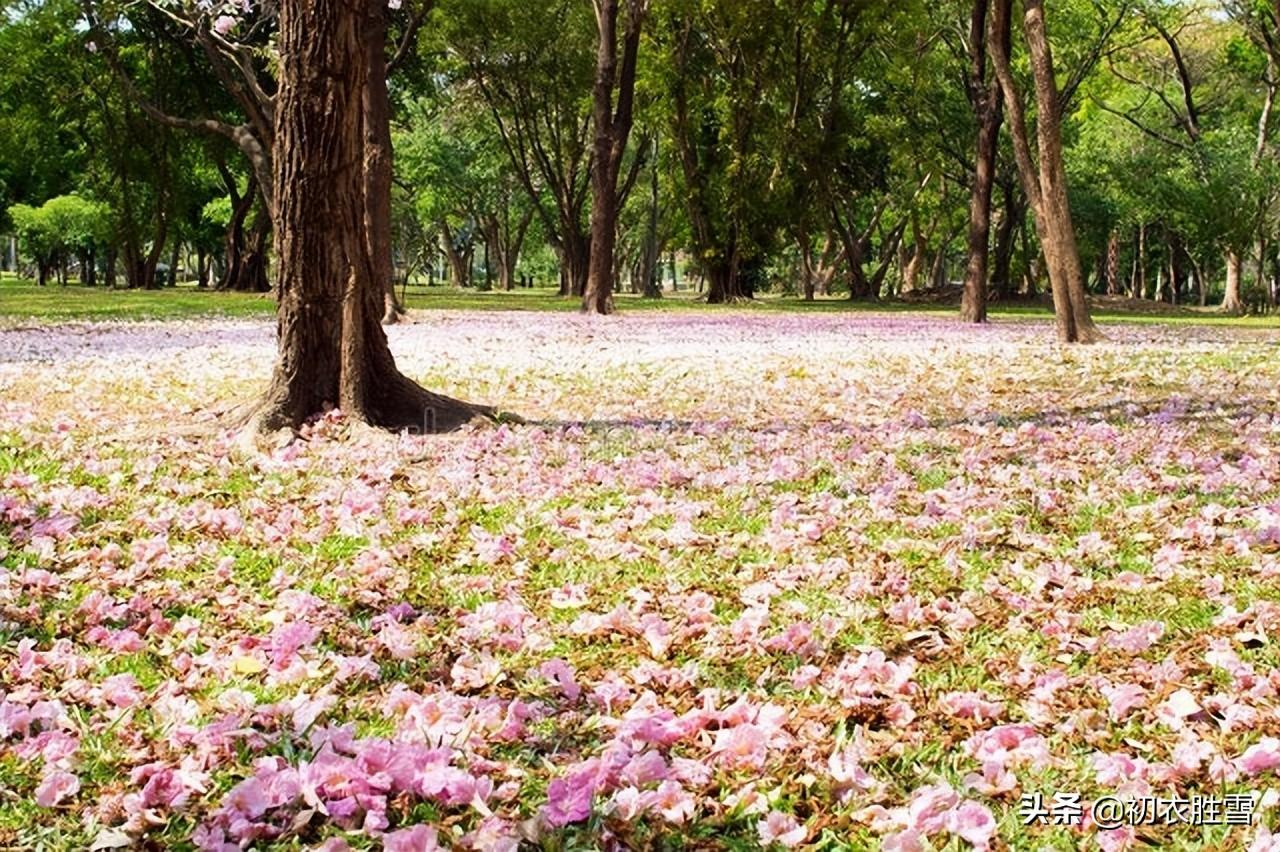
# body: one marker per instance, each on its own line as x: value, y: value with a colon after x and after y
x: 21, y: 300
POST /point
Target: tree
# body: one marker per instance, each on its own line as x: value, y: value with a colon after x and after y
x: 332, y: 349
x: 529, y: 62
x: 63, y: 227
x: 461, y: 182
x: 1043, y: 172
x: 722, y: 77
x: 985, y: 98
x: 612, y: 124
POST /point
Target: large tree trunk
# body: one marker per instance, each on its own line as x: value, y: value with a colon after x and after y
x: 1044, y: 175
x: 1232, y: 303
x: 332, y: 349
x: 987, y: 107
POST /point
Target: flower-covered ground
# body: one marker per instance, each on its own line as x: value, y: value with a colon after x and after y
x: 802, y: 581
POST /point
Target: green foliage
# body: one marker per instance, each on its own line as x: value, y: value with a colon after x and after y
x: 780, y: 127
x: 63, y: 225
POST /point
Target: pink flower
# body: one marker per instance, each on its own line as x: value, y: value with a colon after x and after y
x: 400, y: 642
x: 782, y: 829
x: 847, y: 774
x: 903, y: 841
x: 121, y: 690
x: 224, y: 24
x: 1138, y: 638
x: 647, y: 768
x: 1263, y: 757
x: 971, y: 705
x: 671, y: 801
x: 288, y: 639
x: 742, y: 746
x: 973, y: 823
x: 1124, y: 699
x: 1265, y: 841
x: 569, y: 797
x: 418, y: 838
x: 56, y: 786
x: 1116, y: 839
x: 561, y: 674
x: 993, y: 780
x: 929, y: 808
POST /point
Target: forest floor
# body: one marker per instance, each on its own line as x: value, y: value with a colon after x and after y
x: 23, y: 301
x: 744, y: 579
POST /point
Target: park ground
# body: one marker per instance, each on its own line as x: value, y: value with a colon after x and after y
x: 780, y: 576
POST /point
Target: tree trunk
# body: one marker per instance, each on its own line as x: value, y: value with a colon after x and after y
x: 1044, y: 175
x: 459, y: 259
x: 973, y: 306
x: 807, y: 272
x: 147, y: 267
x: 1113, y: 264
x: 175, y: 255
x: 378, y: 162
x: 988, y: 109
x: 612, y: 124
x: 109, y: 273
x: 88, y: 270
x: 651, y: 267
x: 1011, y: 218
x: 1202, y: 284
x: 332, y: 349
x: 575, y: 256
x: 1231, y: 300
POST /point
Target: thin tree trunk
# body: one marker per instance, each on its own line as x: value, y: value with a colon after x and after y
x: 650, y: 270
x: 986, y: 101
x: 1044, y: 175
x: 1113, y: 264
x: 1011, y: 219
x: 110, y: 271
x: 174, y: 256
x: 1231, y: 300
x: 378, y: 162
x: 612, y: 124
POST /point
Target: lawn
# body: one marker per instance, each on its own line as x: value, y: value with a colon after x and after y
x: 23, y: 301
x: 745, y: 578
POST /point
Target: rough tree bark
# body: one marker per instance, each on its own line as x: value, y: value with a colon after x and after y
x: 332, y: 349
x: 986, y: 101
x: 1113, y: 264
x: 378, y: 162
x: 612, y: 124
x: 1232, y: 303
x: 1044, y: 175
